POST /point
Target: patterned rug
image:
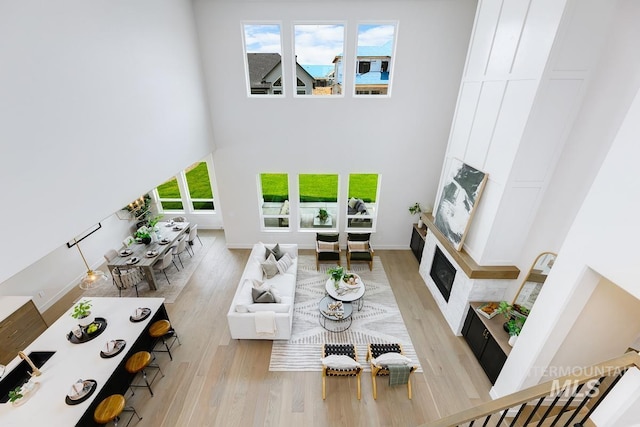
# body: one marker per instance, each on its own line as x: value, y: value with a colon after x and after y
x: 177, y: 278
x: 379, y: 321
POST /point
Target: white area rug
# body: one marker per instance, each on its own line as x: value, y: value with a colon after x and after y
x: 379, y: 321
x: 178, y: 279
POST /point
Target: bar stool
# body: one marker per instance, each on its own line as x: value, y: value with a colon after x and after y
x: 137, y: 363
x: 110, y: 409
x: 162, y: 330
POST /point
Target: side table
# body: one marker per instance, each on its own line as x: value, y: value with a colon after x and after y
x: 334, y: 323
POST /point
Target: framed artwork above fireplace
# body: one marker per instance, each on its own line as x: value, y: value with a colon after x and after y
x: 459, y: 196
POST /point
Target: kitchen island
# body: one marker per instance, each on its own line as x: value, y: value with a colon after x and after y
x: 70, y: 362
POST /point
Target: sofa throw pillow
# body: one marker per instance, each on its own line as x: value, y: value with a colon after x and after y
x: 352, y: 202
x: 284, y: 263
x: 339, y: 361
x: 327, y: 246
x: 391, y: 359
x: 276, y: 251
x: 262, y: 296
x: 358, y: 246
x: 270, y: 267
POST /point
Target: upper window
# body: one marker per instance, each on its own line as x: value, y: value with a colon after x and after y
x: 374, y: 58
x: 318, y: 203
x: 274, y: 200
x: 316, y: 50
x: 263, y: 54
x: 362, y: 206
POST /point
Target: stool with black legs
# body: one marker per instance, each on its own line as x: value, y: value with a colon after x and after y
x: 138, y: 363
x: 161, y: 330
x: 110, y: 410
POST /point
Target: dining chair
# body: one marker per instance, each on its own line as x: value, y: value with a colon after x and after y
x: 165, y: 262
x: 110, y: 255
x: 178, y: 249
x: 127, y: 278
x: 193, y: 233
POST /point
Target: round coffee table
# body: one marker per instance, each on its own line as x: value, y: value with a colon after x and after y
x: 335, y: 323
x: 347, y: 293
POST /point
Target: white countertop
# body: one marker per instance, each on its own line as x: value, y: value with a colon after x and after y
x: 9, y: 304
x: 76, y: 361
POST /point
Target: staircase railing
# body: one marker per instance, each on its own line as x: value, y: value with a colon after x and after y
x: 566, y: 401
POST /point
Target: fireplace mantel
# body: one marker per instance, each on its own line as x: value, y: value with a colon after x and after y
x: 466, y: 263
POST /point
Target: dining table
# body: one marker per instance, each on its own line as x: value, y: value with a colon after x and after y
x: 145, y: 256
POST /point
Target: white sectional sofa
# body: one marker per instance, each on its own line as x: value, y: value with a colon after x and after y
x: 245, y: 317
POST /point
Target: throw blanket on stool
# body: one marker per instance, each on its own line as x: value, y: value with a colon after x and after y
x: 398, y: 374
x: 265, y: 322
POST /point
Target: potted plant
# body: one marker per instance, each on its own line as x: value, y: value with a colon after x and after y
x: 144, y: 234
x: 82, y: 313
x: 416, y: 209
x: 515, y: 320
x: 336, y: 274
x: 15, y: 394
x: 323, y: 215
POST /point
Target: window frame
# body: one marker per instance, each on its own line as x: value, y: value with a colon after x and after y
x: 334, y: 211
x: 185, y: 195
x: 371, y: 206
x: 374, y: 91
x: 284, y: 220
x: 281, y: 88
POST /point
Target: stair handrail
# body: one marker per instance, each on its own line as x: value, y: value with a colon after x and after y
x: 608, y: 368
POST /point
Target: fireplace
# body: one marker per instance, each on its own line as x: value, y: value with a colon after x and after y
x: 442, y: 273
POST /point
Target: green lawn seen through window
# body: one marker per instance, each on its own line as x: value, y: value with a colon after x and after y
x: 318, y: 187
x: 199, y: 188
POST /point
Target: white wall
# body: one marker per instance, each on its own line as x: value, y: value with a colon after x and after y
x: 402, y: 138
x: 99, y: 102
x: 601, y: 241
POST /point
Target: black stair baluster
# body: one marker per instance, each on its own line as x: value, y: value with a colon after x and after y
x: 603, y: 395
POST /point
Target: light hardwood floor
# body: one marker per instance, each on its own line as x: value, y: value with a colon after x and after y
x: 217, y: 381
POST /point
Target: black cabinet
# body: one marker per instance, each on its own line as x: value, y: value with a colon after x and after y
x: 483, y: 345
x: 417, y: 241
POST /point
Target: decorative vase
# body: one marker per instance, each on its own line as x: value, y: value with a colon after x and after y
x: 512, y: 340
x: 420, y: 223
x: 146, y: 240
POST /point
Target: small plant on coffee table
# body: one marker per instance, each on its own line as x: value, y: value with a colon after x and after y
x: 336, y: 274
